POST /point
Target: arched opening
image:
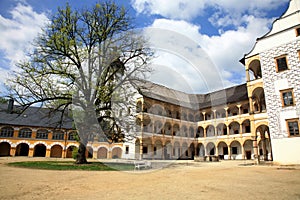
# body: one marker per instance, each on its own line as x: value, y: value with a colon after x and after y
x: 117, y: 152
x: 221, y: 129
x: 39, y: 150
x: 22, y: 149
x: 254, y: 70
x: 89, y: 152
x: 158, y: 127
x: 191, y: 132
x: 168, y: 150
x: 176, y: 130
x: 157, y: 150
x: 102, y: 153
x: 223, y: 150
x: 4, y: 149
x: 210, y: 131
x: 137, y: 148
x: 209, y: 115
x: 192, y: 151
x: 258, y: 100
x: 236, y: 150
x: 70, y: 150
x: 184, y: 131
x: 176, y: 150
x: 200, y: 132
x: 56, y: 151
x: 248, y: 148
x: 221, y: 113
x: 185, y: 152
x: 168, y: 128
x: 234, y: 128
x: 246, y: 126
x: 265, y: 149
x: 233, y: 111
x: 200, y: 151
x: 191, y: 117
x: 211, y: 149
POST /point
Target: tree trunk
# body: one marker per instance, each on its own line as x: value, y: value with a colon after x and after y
x: 81, y: 155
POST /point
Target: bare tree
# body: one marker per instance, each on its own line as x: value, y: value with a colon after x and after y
x: 87, y: 61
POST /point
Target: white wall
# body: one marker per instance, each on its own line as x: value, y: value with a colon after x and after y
x: 286, y: 150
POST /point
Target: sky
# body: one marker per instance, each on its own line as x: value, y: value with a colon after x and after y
x: 198, y: 43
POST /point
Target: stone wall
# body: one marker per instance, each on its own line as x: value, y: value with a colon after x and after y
x: 275, y: 81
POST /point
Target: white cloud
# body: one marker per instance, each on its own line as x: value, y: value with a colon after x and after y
x: 17, y: 33
x: 229, y: 12
x: 174, y: 9
x: 204, y: 62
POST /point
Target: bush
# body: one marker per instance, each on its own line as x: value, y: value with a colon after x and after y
x: 74, y: 153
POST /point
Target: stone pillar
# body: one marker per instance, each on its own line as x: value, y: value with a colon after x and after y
x: 203, y: 113
x: 229, y: 153
x: 247, y: 75
x: 255, y: 150
x: 48, y: 152
x: 95, y: 154
x: 239, y: 106
x: 12, y: 151
x: 226, y: 112
x: 243, y: 152
x: 30, y: 153
x: 141, y: 149
x: 204, y: 132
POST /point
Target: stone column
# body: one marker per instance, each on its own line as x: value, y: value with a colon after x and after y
x: 229, y: 153
x: 243, y: 152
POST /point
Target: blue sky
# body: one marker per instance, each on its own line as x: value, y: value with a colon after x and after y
x: 198, y: 42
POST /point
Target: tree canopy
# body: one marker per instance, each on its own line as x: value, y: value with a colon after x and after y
x: 87, y: 61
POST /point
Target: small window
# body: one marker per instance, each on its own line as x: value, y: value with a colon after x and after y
x: 7, y: 132
x: 25, y: 133
x: 287, y: 97
x: 234, y: 150
x: 281, y: 63
x: 297, y: 31
x: 293, y: 127
x: 42, y: 134
x: 58, y: 135
x: 72, y: 135
x: 145, y: 150
x: 127, y: 150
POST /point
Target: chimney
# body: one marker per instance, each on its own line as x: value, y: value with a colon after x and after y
x: 10, y: 106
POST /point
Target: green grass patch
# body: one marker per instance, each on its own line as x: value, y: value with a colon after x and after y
x: 69, y: 165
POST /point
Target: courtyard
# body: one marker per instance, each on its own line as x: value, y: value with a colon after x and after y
x: 175, y: 180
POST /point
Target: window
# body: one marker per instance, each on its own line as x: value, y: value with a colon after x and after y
x: 72, y: 135
x: 127, y: 150
x: 281, y: 63
x: 25, y: 133
x: 42, y: 134
x: 145, y: 150
x: 297, y: 31
x: 58, y: 135
x: 234, y: 150
x: 293, y: 127
x: 7, y: 132
x: 287, y: 97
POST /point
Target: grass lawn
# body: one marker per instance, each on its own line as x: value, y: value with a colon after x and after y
x: 70, y: 165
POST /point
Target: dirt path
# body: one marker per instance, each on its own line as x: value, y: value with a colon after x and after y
x: 223, y: 180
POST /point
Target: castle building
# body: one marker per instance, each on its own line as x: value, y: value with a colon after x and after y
x: 274, y: 63
x: 258, y: 120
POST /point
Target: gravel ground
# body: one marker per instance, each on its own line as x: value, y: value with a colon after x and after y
x: 180, y: 180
